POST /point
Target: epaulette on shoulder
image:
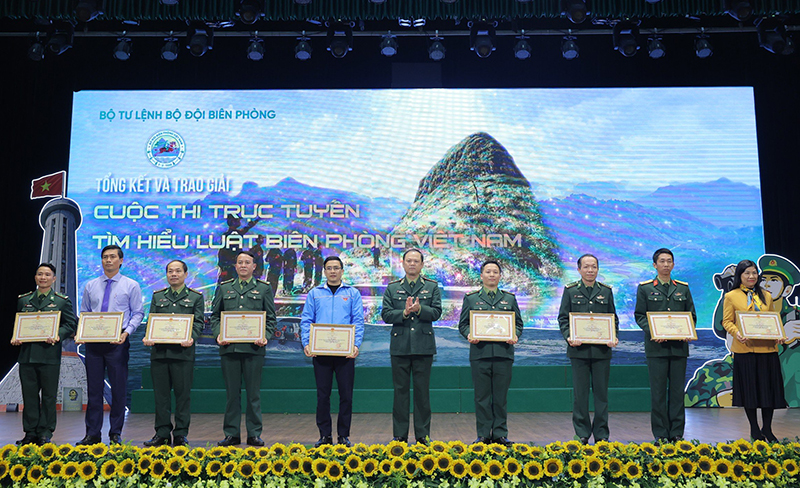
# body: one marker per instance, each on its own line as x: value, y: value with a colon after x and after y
x: 59, y: 295
x: 163, y: 289
x: 428, y: 279
x: 607, y: 286
x: 473, y: 292
x: 681, y: 282
x: 25, y: 294
x: 228, y: 281
x: 192, y: 289
x: 262, y: 281
x: 395, y: 281
x: 570, y: 285
x: 645, y: 282
x: 508, y: 293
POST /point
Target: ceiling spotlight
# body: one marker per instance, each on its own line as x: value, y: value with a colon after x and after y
x: 703, y: 47
x: 250, y: 11
x: 170, y: 50
x: 522, y: 50
x: 36, y: 50
x: 656, y: 48
x: 389, y: 45
x: 575, y: 10
x: 481, y: 38
x: 201, y: 39
x: 448, y: 1
x: 88, y: 10
x: 303, y: 49
x: 738, y: 9
x: 377, y: 1
x: 302, y: 2
x: 569, y: 47
x: 61, y: 40
x: 122, y: 50
x: 625, y: 38
x: 255, y: 51
x: 653, y: 1
x: 340, y: 39
x: 772, y: 35
x: 436, y: 49
x: 168, y: 2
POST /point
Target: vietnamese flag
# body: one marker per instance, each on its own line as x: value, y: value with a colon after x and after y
x: 48, y: 186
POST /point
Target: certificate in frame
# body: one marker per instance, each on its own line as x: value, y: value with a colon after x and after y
x: 99, y: 327
x: 492, y: 325
x: 169, y: 328
x: 36, y: 326
x: 332, y: 339
x: 592, y: 328
x: 760, y: 325
x: 671, y: 326
x: 242, y: 327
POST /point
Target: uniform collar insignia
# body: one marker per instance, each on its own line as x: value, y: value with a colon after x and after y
x: 655, y: 282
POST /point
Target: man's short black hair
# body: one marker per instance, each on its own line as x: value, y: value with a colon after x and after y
x: 491, y: 261
x: 47, y: 265
x: 247, y: 253
x: 111, y: 247
x: 185, y: 268
x: 587, y: 255
x: 663, y: 250
x: 332, y: 258
x: 414, y: 249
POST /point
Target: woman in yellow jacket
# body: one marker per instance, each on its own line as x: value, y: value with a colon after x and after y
x: 757, y: 379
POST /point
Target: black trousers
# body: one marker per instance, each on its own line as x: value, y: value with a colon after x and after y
x: 345, y: 370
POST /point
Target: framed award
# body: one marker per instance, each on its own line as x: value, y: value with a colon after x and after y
x: 332, y: 339
x: 592, y: 328
x: 99, y: 327
x: 492, y: 325
x: 671, y: 326
x: 169, y: 328
x: 36, y: 326
x: 760, y: 325
x: 242, y: 326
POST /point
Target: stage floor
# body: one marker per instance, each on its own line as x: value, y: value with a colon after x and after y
x: 704, y: 424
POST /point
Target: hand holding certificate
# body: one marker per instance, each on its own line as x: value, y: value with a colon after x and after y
x: 332, y: 340
x: 167, y: 328
x: 242, y: 327
x: 671, y: 326
x: 492, y: 326
x: 592, y: 328
x: 36, y: 327
x: 99, y: 327
x: 760, y: 325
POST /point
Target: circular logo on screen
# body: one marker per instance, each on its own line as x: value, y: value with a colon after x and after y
x: 166, y: 149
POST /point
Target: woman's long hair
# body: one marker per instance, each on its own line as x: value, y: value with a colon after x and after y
x: 737, y: 277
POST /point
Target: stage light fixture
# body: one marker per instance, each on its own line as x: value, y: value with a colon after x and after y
x: 575, y: 10
x: 772, y: 35
x: 122, y: 50
x: 389, y: 45
x: 169, y: 2
x: 201, y: 40
x: 436, y: 50
x: 250, y: 11
x: 569, y: 47
x: 378, y: 1
x: 255, y: 50
x: 738, y: 9
x: 169, y: 52
x: 522, y: 50
x: 789, y: 49
x: 448, y: 1
x: 61, y: 40
x: 626, y: 38
x: 36, y: 50
x: 653, y: 1
x: 340, y: 39
x: 481, y: 38
x: 702, y: 46
x: 302, y: 2
x: 303, y: 49
x: 656, y: 48
x: 88, y: 10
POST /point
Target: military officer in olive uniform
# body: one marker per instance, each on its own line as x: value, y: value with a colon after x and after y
x: 666, y: 360
x: 243, y: 361
x: 411, y: 305
x: 172, y: 365
x: 491, y: 361
x: 591, y: 363
x: 40, y: 362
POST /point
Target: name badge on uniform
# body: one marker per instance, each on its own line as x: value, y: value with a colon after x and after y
x: 186, y: 301
x: 52, y: 305
x: 401, y: 291
x: 677, y: 294
x: 655, y: 293
x: 255, y: 292
x: 425, y: 291
x: 600, y: 297
x: 479, y: 303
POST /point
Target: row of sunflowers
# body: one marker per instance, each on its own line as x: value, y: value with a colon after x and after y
x: 437, y: 465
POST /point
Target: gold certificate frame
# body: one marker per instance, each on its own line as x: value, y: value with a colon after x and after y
x: 36, y: 326
x: 99, y: 327
x: 760, y: 325
x: 332, y: 339
x: 242, y: 326
x: 169, y: 328
x: 592, y: 328
x: 671, y: 326
x: 492, y: 325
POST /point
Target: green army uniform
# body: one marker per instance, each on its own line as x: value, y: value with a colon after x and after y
x: 172, y: 365
x: 412, y: 347
x: 591, y: 363
x: 666, y: 361
x: 243, y: 360
x: 491, y: 363
x: 40, y: 364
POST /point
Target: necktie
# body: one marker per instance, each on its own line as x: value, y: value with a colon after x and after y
x: 589, y: 290
x: 242, y: 284
x: 491, y: 295
x: 106, y: 295
x: 412, y: 284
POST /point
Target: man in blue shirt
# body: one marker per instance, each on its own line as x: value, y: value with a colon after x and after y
x: 333, y: 303
x: 111, y: 292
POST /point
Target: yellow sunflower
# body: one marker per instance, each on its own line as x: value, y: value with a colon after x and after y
x: 723, y: 468
x: 458, y: 448
x: 494, y: 469
x: 340, y: 450
x: 458, y: 468
x: 410, y: 468
x: 98, y: 450
x: 175, y: 465
x: 250, y: 451
x: 229, y: 469
x: 296, y: 449
x: 521, y: 449
x: 438, y: 447
x: 555, y: 447
x: 794, y: 446
x: 688, y: 467
x: 742, y: 446
x: 217, y: 452
x: 427, y: 464
x: 498, y: 449
x: 443, y: 462
x: 163, y: 451
x: 655, y: 468
x: 778, y: 450
x: 705, y: 464
x: 772, y: 469
x: 278, y: 467
x: 377, y: 449
x: 668, y: 450
x: 419, y: 448
x: 685, y: 447
x: 756, y: 471
x: 397, y: 464
x: 739, y: 472
x: 158, y: 469
x: 193, y: 468
x: 117, y: 448
x: 632, y: 470
x: 47, y: 451
x: 126, y: 468
x: 649, y: 448
x: 54, y: 470
x: 762, y: 448
x: 631, y: 449
x: 576, y: 468
x: 325, y: 450
x: 385, y: 467
x: 672, y: 469
x: 553, y: 467
x: 512, y: 467
x: 27, y: 450
x: 87, y: 470
x: 573, y: 447
x: 180, y: 451
x: 35, y: 473
x: 213, y: 468
x: 245, y: 468
x: 108, y: 469
x: 70, y: 470
x: 614, y: 467
x: 476, y: 468
x: 261, y: 452
x: 7, y: 450
x: 306, y: 466
x: 198, y: 453
x: 594, y: 466
x: 704, y: 450
x: 369, y: 467
x: 320, y: 467
x: 17, y: 472
x: 278, y: 449
x: 604, y: 448
x: 263, y: 467
x: 4, y: 469
x: 294, y: 464
x: 144, y: 464
x: 479, y: 448
x: 791, y: 467
x: 533, y: 470
x: 335, y: 471
x: 725, y: 449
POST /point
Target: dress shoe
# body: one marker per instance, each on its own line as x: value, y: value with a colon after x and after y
x: 114, y: 439
x: 676, y: 439
x: 180, y: 440
x: 89, y: 440
x: 326, y: 439
x: 255, y: 441
x: 230, y: 440
x: 344, y: 441
x: 424, y: 441
x: 157, y: 440
x: 584, y: 440
x: 502, y: 440
x: 42, y: 440
x: 484, y: 440
x: 769, y: 436
x: 757, y: 436
x: 28, y: 439
x: 400, y: 439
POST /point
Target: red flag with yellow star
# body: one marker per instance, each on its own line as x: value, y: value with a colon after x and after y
x: 48, y: 186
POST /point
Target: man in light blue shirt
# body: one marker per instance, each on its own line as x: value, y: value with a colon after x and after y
x: 111, y: 292
x: 333, y: 303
